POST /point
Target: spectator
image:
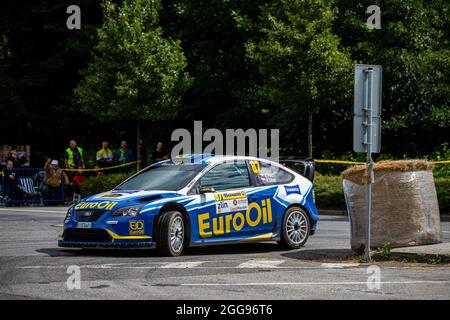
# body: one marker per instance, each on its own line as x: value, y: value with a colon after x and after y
x: 73, y: 156
x: 104, y: 156
x: 17, y: 163
x: 53, y: 180
x: 77, y: 182
x: 9, y: 182
x: 124, y: 155
x: 158, y: 154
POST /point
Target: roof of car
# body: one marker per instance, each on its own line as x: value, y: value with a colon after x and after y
x: 203, y: 158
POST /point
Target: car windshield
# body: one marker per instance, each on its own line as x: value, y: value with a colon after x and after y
x: 171, y: 178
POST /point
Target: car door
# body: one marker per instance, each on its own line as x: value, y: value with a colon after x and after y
x: 222, y: 213
x: 268, y: 178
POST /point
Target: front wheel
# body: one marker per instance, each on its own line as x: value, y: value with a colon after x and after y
x: 295, y: 229
x: 171, y: 235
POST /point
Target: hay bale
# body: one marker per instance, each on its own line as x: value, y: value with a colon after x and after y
x: 405, y: 209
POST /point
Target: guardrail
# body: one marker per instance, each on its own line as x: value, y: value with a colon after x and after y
x: 26, y: 186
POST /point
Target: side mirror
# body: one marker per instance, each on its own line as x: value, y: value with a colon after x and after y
x: 203, y: 190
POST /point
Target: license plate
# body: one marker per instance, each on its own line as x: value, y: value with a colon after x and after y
x: 84, y: 225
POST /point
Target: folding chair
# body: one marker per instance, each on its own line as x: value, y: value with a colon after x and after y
x: 26, y: 185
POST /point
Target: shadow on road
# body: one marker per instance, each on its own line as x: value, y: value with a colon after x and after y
x: 229, y: 249
x: 321, y: 254
x: 58, y: 252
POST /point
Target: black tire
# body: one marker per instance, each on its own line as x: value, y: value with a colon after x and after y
x: 166, y: 245
x: 296, y: 236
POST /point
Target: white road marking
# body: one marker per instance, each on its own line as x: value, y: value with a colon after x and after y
x: 102, y: 266
x: 167, y: 265
x: 182, y: 265
x: 33, y: 210
x: 313, y: 283
x: 129, y: 266
x: 339, y: 265
x: 261, y: 264
x: 177, y: 265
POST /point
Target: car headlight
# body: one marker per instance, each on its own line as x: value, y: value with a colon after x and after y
x: 69, y: 212
x: 131, y: 211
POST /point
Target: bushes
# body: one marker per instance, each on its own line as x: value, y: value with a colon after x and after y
x: 102, y: 183
x: 330, y: 195
x: 443, y: 192
x: 329, y: 192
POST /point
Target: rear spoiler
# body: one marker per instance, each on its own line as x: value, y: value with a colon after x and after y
x: 303, y: 165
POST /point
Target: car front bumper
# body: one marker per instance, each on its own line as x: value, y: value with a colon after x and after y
x: 111, y: 245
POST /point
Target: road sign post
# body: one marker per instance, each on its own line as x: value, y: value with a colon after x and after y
x: 367, y: 128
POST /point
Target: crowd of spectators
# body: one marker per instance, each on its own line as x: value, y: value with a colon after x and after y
x: 55, y: 182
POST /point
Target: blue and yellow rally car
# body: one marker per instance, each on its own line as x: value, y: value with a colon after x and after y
x: 199, y: 200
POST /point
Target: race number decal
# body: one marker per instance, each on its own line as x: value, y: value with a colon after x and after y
x: 256, y: 167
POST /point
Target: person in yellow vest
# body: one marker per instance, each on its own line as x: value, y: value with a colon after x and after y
x: 104, y: 156
x: 73, y: 156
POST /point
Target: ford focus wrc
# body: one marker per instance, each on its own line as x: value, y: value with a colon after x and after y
x: 199, y: 200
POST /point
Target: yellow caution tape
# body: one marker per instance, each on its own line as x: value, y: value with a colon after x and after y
x: 107, y: 168
x: 338, y: 161
x: 441, y: 162
x: 357, y: 162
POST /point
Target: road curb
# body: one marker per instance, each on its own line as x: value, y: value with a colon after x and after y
x: 331, y: 212
x: 416, y: 257
x: 432, y: 253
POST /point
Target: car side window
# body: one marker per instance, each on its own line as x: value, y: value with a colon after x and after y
x: 267, y: 174
x: 229, y: 175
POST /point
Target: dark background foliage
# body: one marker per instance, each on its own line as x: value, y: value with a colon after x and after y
x: 41, y: 60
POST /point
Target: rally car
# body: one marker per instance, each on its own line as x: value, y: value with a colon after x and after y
x: 199, y: 200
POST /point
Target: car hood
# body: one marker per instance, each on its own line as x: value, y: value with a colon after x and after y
x: 132, y: 195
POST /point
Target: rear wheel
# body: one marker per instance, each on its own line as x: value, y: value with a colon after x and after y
x: 171, y: 234
x: 295, y: 229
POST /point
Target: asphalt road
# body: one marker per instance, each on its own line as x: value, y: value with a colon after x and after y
x: 33, y: 267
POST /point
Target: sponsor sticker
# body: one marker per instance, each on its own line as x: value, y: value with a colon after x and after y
x: 217, y: 225
x: 239, y: 194
x: 136, y: 227
x: 231, y: 205
x: 231, y: 201
x: 292, y: 190
x: 105, y: 205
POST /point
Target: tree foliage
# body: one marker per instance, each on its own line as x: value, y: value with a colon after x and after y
x: 304, y: 66
x: 252, y: 63
x: 136, y: 72
x: 413, y: 46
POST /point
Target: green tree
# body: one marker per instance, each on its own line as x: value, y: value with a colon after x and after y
x: 304, y: 66
x: 136, y: 73
x: 213, y: 35
x: 413, y: 46
x: 40, y: 59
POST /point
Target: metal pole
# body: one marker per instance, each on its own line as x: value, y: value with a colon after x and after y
x: 368, y: 109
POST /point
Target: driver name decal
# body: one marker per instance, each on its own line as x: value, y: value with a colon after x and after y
x: 231, y: 201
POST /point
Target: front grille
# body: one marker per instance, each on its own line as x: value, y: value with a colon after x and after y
x: 88, y: 215
x: 86, y: 235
